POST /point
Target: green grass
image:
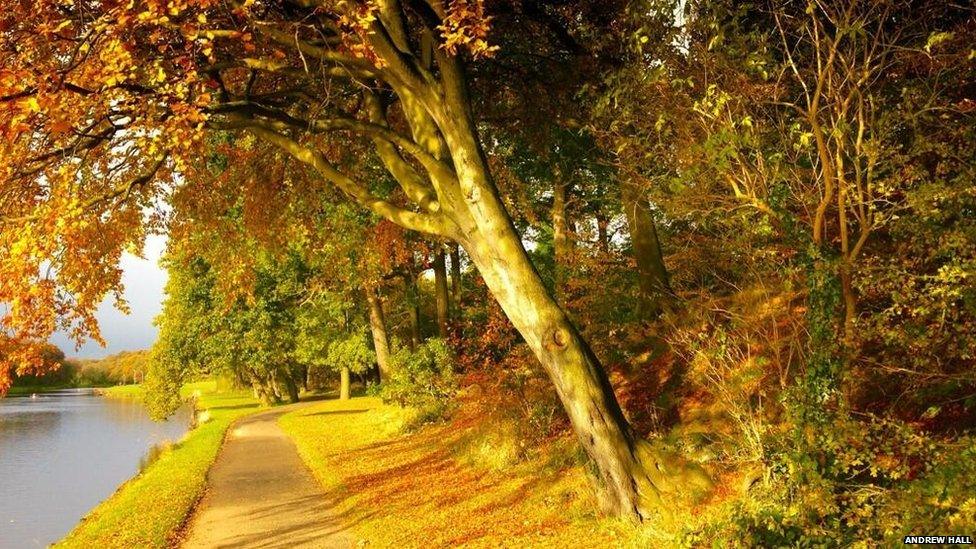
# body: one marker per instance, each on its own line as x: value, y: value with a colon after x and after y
x: 31, y: 389
x: 135, y: 391
x: 149, y: 509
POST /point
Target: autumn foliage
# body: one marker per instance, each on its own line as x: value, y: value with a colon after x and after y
x: 729, y: 247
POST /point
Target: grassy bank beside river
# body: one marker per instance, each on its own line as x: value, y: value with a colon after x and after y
x: 149, y: 509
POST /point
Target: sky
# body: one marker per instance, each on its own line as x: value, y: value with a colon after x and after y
x: 144, y: 280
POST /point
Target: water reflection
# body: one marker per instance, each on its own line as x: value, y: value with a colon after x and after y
x: 62, y: 453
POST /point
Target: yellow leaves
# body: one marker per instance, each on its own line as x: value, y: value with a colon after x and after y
x: 116, y: 63
x: 32, y: 104
x: 159, y: 76
x: 466, y: 27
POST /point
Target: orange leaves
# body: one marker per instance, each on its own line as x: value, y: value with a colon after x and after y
x: 466, y: 27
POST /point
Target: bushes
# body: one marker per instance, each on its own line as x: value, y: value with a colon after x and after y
x: 423, y: 379
x: 853, y: 483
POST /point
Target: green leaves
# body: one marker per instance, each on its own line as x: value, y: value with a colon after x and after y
x: 423, y: 378
x: 352, y: 352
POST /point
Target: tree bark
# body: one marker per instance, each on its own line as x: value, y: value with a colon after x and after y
x: 344, y: 383
x: 456, y: 279
x: 377, y: 325
x: 602, y: 234
x: 440, y: 292
x: 413, y: 308
x: 652, y: 275
x: 560, y: 229
x: 291, y: 387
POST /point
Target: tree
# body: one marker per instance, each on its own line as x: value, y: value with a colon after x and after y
x: 105, y: 93
x: 350, y: 354
x: 377, y: 326
x: 441, y: 295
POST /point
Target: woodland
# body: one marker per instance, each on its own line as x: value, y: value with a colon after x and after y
x: 725, y: 250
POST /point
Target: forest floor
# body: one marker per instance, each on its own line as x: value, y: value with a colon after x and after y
x: 260, y: 494
x: 419, y: 489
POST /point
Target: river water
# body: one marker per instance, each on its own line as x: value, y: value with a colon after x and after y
x: 62, y: 453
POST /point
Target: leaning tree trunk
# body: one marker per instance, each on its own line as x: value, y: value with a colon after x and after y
x: 632, y: 476
x: 652, y: 275
x: 377, y: 325
x: 440, y: 292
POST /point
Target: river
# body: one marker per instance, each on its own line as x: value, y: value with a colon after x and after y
x: 62, y: 453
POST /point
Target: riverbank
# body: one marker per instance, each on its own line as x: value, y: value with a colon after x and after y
x: 27, y: 390
x: 151, y: 508
x: 136, y: 391
x: 419, y: 490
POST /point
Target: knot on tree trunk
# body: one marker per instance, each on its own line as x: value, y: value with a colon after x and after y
x: 558, y: 338
x: 430, y: 203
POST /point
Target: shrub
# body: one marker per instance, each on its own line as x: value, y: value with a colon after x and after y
x: 423, y: 379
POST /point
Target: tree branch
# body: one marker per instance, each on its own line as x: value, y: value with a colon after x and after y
x: 427, y: 223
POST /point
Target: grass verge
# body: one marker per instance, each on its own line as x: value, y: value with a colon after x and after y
x: 136, y: 391
x: 396, y: 490
x: 149, y: 509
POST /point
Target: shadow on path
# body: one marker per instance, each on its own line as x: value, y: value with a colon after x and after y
x: 261, y: 495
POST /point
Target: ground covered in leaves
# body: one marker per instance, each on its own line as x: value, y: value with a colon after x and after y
x: 420, y: 489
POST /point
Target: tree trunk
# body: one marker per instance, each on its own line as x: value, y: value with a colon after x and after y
x: 456, y: 279
x: 652, y: 275
x: 261, y: 390
x: 440, y: 292
x: 602, y: 236
x: 413, y: 308
x: 344, y: 383
x: 377, y: 325
x: 560, y: 230
x: 633, y: 476
x: 291, y: 387
x: 850, y: 302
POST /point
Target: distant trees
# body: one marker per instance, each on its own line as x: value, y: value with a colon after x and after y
x: 58, y: 371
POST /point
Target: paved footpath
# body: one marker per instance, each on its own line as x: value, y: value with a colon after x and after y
x: 261, y: 495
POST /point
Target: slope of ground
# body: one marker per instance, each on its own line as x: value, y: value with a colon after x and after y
x: 411, y: 490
